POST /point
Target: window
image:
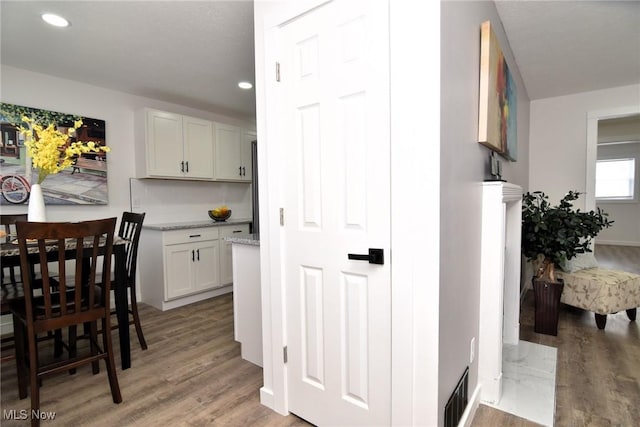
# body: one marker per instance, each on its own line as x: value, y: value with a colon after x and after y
x: 615, y: 179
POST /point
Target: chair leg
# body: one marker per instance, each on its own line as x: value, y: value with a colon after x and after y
x: 18, y: 333
x: 73, y: 346
x: 57, y: 343
x: 136, y: 318
x: 631, y: 314
x: 601, y: 320
x: 93, y: 340
x: 109, y: 361
x: 34, y: 379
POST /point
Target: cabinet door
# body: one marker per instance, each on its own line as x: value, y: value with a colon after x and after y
x: 205, y: 266
x: 226, y: 260
x: 245, y: 154
x: 178, y: 260
x: 198, y: 148
x: 228, y: 165
x: 164, y: 144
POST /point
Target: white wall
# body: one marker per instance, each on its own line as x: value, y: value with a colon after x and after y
x: 626, y: 215
x: 117, y: 110
x: 463, y: 168
x: 558, y: 138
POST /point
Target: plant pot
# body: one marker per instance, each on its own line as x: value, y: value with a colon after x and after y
x: 547, y: 297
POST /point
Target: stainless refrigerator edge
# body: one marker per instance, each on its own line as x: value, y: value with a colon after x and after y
x: 254, y: 188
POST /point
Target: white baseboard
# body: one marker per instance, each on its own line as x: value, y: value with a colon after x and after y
x: 472, y: 407
x: 617, y: 243
x: 267, y: 398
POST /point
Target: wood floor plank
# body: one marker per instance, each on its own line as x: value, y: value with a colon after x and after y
x: 193, y: 375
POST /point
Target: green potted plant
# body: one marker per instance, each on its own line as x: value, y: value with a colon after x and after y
x: 551, y: 235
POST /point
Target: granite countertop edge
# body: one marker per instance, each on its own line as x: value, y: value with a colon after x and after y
x: 183, y: 225
x: 244, y: 239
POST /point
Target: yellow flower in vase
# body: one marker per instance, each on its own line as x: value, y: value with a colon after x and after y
x: 50, y: 149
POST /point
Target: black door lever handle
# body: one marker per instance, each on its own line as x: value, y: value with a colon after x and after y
x: 375, y: 256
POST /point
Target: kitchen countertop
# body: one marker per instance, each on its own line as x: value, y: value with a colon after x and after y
x: 181, y: 225
x: 244, y: 239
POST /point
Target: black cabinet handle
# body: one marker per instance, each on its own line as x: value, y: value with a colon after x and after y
x: 240, y: 170
x: 182, y: 166
x: 193, y: 255
x: 187, y: 168
x: 194, y: 235
x: 375, y: 256
x: 198, y: 251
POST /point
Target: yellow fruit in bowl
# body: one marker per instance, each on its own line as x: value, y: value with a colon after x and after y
x: 220, y: 213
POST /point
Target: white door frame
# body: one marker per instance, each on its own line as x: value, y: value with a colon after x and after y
x: 415, y: 225
x: 593, y: 117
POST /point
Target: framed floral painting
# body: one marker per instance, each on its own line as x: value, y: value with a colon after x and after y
x: 70, y: 152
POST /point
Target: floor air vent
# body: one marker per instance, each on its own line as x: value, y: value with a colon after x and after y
x: 457, y: 402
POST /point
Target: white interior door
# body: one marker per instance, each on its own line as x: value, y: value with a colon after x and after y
x: 336, y: 180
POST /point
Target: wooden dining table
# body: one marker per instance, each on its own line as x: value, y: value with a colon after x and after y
x: 10, y: 256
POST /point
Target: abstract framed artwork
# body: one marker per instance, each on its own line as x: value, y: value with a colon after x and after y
x: 497, y: 119
x: 83, y: 183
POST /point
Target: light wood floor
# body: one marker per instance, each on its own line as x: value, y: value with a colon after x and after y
x: 598, y: 372
x: 192, y: 375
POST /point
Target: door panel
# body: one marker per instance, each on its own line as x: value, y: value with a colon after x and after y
x: 165, y: 144
x: 335, y: 126
x: 178, y: 270
x: 198, y: 148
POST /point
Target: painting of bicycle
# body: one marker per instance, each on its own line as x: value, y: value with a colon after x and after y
x: 79, y: 178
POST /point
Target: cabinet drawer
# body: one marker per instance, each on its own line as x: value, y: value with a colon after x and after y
x: 230, y: 230
x: 190, y: 235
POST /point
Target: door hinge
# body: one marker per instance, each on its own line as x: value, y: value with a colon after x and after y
x: 282, y: 217
x: 277, y: 71
x: 284, y: 354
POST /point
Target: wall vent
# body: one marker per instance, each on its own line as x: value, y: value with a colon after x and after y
x: 457, y: 403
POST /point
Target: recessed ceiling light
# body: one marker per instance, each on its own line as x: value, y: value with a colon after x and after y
x: 55, y: 20
x: 245, y: 85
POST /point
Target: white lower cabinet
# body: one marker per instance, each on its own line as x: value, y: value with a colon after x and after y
x: 226, y: 261
x: 191, y: 268
x: 179, y: 267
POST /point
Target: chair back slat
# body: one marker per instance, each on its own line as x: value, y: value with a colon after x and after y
x: 8, y: 222
x: 130, y: 230
x: 73, y: 296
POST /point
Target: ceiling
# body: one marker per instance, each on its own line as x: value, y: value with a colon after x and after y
x: 194, y: 53
x: 564, y: 47
x: 191, y: 53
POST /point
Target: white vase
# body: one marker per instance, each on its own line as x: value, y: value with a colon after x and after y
x: 36, y: 212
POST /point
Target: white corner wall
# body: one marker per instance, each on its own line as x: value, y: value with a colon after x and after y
x: 558, y: 138
x: 463, y: 169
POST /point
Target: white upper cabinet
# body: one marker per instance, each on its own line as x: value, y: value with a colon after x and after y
x: 232, y: 153
x: 198, y: 147
x: 176, y: 146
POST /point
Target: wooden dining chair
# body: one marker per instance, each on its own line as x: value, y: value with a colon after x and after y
x: 76, y: 302
x: 11, y: 284
x: 130, y: 230
x: 8, y: 223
